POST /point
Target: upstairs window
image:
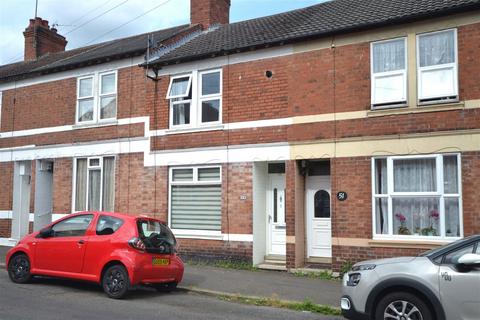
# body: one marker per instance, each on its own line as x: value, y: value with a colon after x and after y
x: 437, y: 66
x: 389, y: 72
x: 195, y: 99
x: 96, y: 98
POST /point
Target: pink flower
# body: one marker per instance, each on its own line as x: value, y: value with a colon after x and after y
x: 400, y: 217
x: 434, y: 214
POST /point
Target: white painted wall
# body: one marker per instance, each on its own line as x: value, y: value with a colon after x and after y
x: 259, y: 211
x: 21, y: 199
x: 43, y: 196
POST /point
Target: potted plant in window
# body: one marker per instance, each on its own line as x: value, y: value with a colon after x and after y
x: 402, y: 229
x: 430, y: 230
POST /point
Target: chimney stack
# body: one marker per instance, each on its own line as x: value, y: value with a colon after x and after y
x: 208, y: 12
x: 40, y: 39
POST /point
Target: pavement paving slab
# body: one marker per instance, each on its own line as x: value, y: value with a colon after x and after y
x: 270, y: 284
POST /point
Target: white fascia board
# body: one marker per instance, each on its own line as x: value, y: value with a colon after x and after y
x: 96, y: 148
x: 114, y: 65
x: 259, y: 123
x: 231, y: 154
x: 31, y: 132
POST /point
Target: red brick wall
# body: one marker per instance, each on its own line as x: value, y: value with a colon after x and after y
x: 214, y: 249
x: 237, y: 213
x: 62, y: 185
x: 53, y: 103
x: 139, y: 189
x: 79, y: 135
x: 471, y: 192
x: 5, y: 228
x: 6, y: 196
x: 352, y: 218
x: 220, y: 138
x: 41, y: 105
x: 343, y: 255
x: 468, y: 38
x: 302, y: 84
x: 208, y: 12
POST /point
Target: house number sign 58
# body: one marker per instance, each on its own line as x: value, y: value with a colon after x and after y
x: 342, y: 196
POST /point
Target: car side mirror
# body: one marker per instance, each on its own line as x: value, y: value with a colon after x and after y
x: 470, y: 260
x: 46, y: 233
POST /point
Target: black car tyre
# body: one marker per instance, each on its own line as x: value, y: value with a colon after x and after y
x: 402, y: 305
x: 115, y: 282
x: 19, y: 269
x: 166, y: 287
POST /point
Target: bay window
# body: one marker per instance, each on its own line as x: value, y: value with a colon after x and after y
x: 437, y: 66
x: 389, y: 72
x: 94, y: 188
x: 195, y: 198
x: 195, y: 99
x: 417, y: 196
x: 96, y: 98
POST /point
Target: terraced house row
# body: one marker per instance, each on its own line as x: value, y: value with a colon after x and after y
x: 317, y: 137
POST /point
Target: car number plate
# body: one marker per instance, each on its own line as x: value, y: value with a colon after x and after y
x: 160, y: 261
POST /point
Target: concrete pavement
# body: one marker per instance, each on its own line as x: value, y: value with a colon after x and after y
x: 281, y: 285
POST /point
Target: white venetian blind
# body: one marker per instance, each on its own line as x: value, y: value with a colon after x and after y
x: 196, y: 199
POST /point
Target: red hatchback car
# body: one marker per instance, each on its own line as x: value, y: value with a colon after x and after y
x: 115, y: 250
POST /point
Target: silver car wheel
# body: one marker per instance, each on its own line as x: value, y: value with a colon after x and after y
x: 402, y: 310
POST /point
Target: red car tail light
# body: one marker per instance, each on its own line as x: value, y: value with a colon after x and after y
x: 137, y: 243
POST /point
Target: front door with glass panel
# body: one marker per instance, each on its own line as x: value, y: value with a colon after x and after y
x: 276, y: 227
x: 319, y: 224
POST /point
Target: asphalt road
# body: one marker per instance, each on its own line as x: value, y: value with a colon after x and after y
x: 61, y: 299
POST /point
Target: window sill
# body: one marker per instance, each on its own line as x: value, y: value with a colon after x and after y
x: 395, y: 110
x: 414, y: 243
x: 196, y: 129
x: 96, y: 124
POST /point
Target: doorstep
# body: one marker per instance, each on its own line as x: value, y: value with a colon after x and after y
x: 274, y: 263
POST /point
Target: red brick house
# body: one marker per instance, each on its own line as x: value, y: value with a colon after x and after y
x: 339, y: 132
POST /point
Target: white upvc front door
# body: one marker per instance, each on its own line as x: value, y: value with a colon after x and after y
x: 318, y: 219
x: 276, y: 227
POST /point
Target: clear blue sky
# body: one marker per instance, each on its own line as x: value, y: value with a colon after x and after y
x: 73, y: 18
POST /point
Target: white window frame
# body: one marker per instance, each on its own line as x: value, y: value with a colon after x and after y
x: 89, y: 167
x: 109, y: 94
x: 215, y: 96
x: 438, y: 193
x: 454, y: 66
x: 195, y: 85
x: 193, y: 182
x: 189, y: 85
x: 374, y: 76
x: 96, y: 95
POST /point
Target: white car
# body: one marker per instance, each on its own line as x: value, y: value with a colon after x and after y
x: 440, y: 284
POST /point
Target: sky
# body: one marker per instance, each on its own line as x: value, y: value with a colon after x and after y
x: 85, y: 22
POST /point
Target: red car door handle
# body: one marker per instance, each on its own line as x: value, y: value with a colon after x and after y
x: 81, y: 242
